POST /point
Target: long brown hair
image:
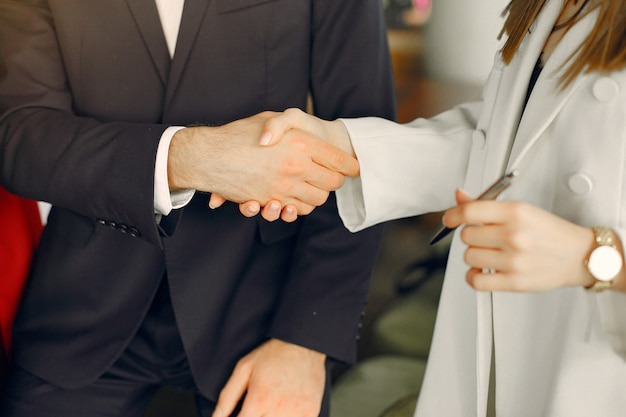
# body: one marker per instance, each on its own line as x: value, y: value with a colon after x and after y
x: 603, y: 50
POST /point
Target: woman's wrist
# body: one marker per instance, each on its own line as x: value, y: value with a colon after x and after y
x: 604, y: 262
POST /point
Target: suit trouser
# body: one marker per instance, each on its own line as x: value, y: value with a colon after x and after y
x: 154, y: 357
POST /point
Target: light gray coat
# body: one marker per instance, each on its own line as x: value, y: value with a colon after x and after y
x: 558, y: 353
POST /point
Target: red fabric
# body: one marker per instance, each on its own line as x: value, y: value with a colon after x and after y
x: 20, y: 228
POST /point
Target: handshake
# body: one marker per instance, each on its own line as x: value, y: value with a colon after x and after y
x: 277, y: 164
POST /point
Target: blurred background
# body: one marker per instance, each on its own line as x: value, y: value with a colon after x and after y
x: 442, y: 51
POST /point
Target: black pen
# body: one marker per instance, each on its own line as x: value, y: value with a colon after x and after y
x: 489, y: 194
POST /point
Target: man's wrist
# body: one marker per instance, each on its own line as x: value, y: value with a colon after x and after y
x: 180, y: 159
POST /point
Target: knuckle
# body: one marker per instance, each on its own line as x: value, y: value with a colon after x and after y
x: 293, y: 112
x: 291, y: 168
x: 464, y: 234
x: 516, y: 263
x: 467, y: 256
x: 271, y: 123
x: 516, y: 284
x: 517, y: 210
x: 336, y: 181
x: 282, y: 188
x: 518, y: 240
x: 470, y: 278
x: 305, y: 209
x: 461, y: 213
x: 322, y: 198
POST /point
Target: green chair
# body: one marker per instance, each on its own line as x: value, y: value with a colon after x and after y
x: 404, y: 407
x: 372, y: 386
x: 406, y: 326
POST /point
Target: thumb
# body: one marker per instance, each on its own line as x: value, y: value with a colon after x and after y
x: 233, y: 391
x: 277, y: 126
x: 462, y: 197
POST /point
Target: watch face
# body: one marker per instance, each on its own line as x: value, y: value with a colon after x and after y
x: 605, y: 263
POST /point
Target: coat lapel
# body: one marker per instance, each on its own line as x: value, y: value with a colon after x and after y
x: 547, y: 99
x: 503, y: 127
x: 193, y: 16
x: 147, y: 18
x: 513, y: 86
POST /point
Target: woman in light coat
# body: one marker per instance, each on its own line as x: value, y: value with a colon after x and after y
x: 555, y: 346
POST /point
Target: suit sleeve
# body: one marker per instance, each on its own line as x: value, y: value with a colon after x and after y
x: 351, y: 76
x: 99, y: 169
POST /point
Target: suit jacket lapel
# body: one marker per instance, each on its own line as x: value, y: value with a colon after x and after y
x: 147, y: 18
x: 547, y: 99
x: 193, y: 16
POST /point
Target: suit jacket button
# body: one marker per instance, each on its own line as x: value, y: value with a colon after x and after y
x: 101, y: 221
x: 123, y: 228
x: 134, y: 232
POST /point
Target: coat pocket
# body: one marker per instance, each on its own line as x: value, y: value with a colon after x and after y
x: 227, y: 6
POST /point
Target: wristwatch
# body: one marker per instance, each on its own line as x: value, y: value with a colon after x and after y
x: 604, y: 261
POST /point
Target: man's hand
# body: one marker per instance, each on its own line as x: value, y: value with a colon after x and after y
x: 278, y: 379
x: 299, y: 171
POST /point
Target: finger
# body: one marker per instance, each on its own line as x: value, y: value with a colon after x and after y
x: 305, y: 198
x: 323, y: 153
x: 335, y: 159
x: 271, y: 211
x: 233, y: 391
x: 485, y: 259
x: 485, y: 280
x: 478, y: 212
x: 483, y: 236
x: 289, y: 214
x: 250, y: 208
x: 216, y: 201
x: 462, y: 197
x: 276, y: 127
x: 324, y: 179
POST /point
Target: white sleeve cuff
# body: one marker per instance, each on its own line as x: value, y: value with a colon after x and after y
x: 164, y: 200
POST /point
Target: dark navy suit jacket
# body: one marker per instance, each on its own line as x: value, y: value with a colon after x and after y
x: 86, y: 90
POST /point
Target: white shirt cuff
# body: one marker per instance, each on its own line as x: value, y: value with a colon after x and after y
x: 164, y: 200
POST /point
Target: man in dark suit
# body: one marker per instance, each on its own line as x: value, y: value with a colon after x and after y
x: 133, y: 287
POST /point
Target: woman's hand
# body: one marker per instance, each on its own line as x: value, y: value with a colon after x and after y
x: 331, y: 132
x: 513, y: 246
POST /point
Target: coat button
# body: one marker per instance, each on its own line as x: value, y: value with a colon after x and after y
x: 605, y: 89
x: 580, y: 184
x: 478, y: 139
x: 134, y: 232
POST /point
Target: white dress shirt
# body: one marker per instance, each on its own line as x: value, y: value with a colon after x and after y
x: 170, y: 12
